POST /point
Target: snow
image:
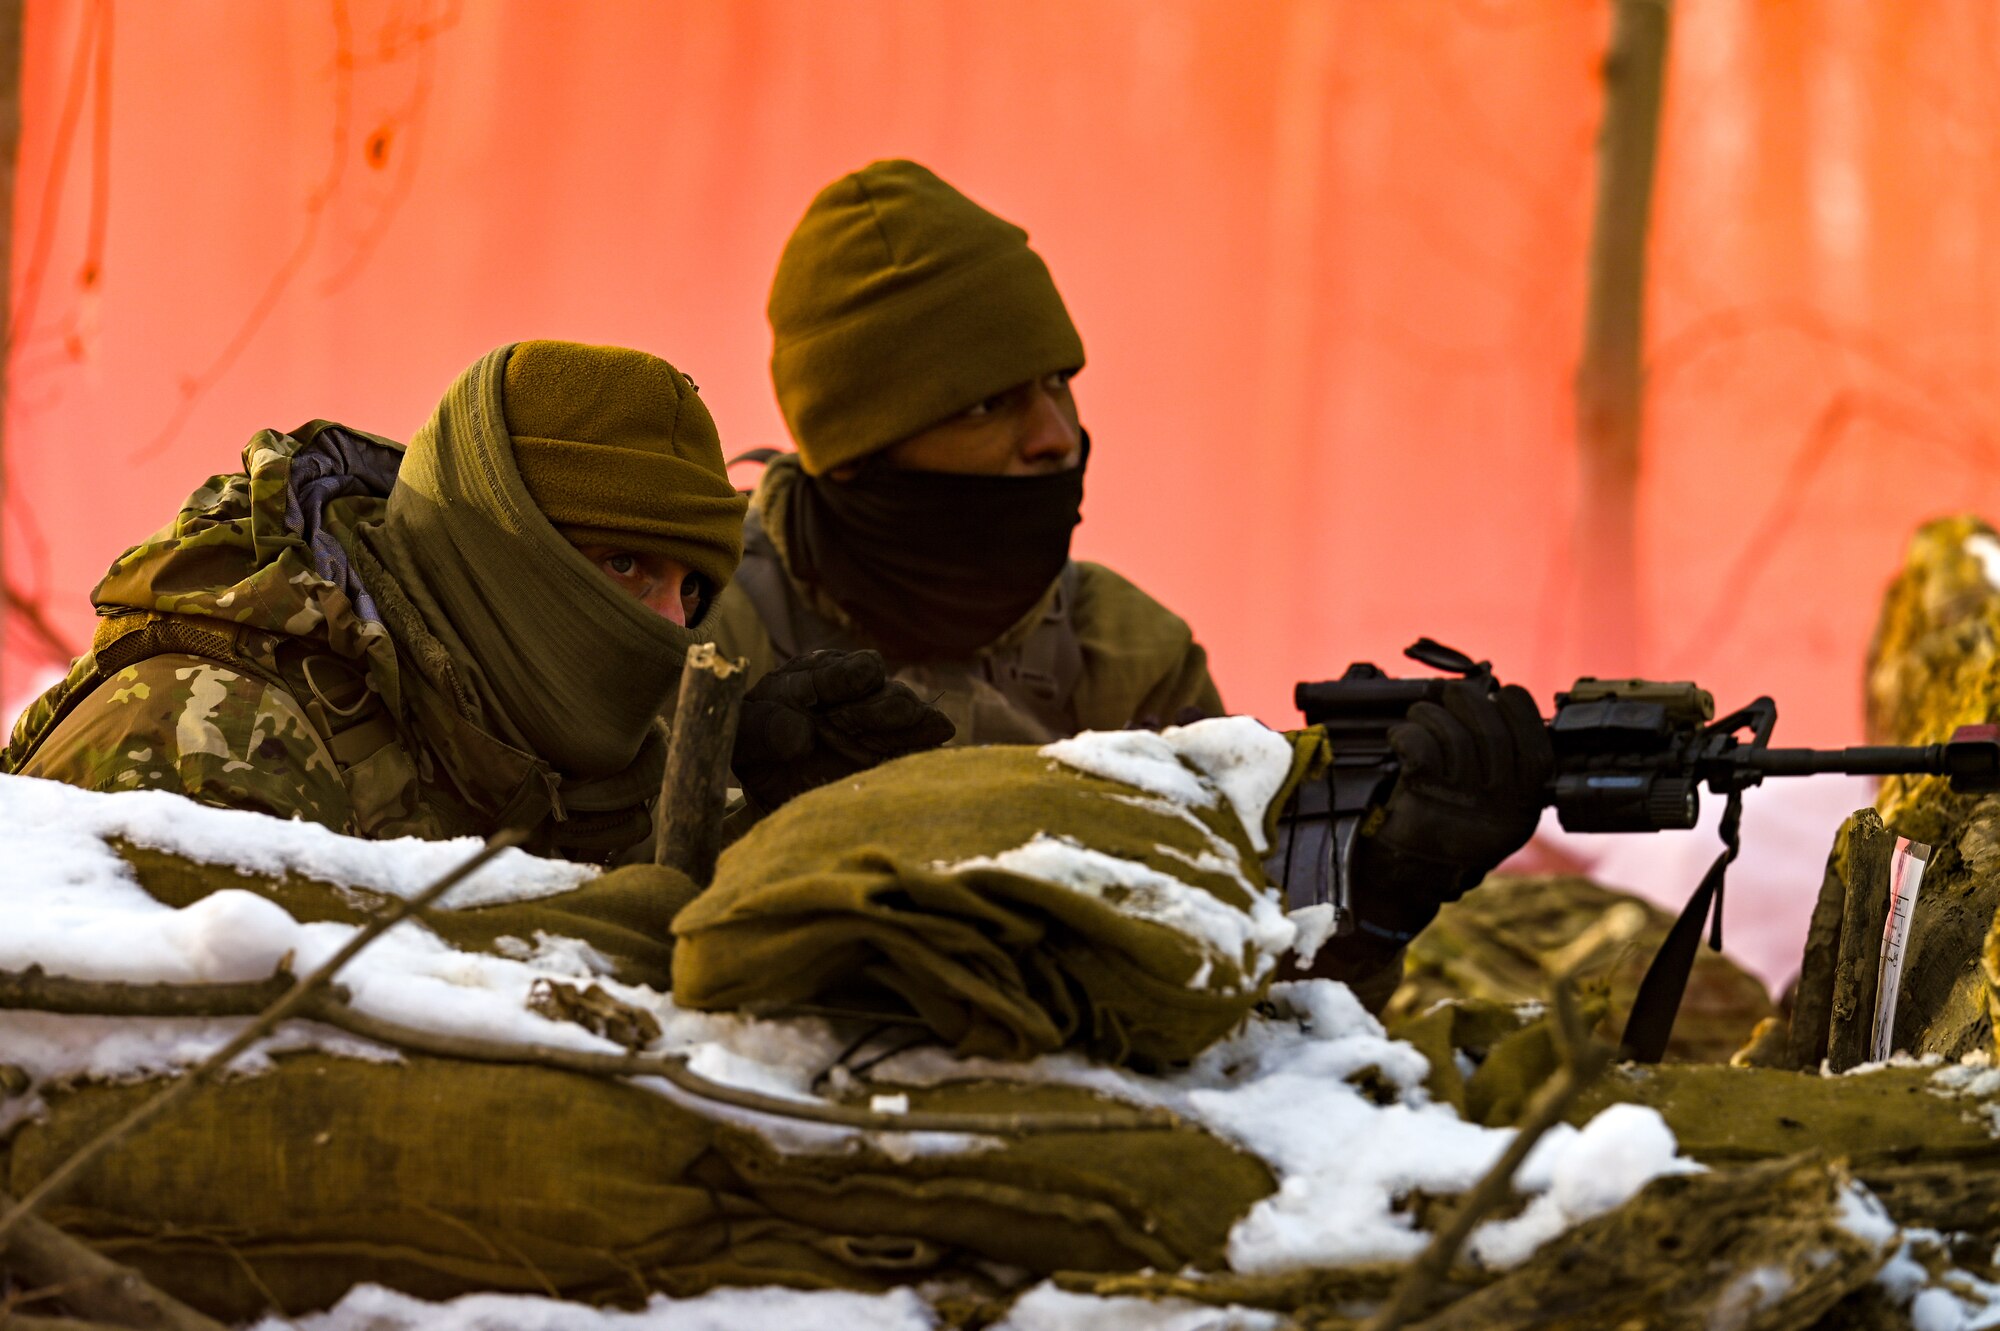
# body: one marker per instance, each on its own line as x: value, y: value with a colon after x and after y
x: 1219, y: 929
x: 1983, y: 547
x: 1139, y: 758
x: 372, y: 1308
x: 57, y: 830
x: 1234, y: 758
x: 1586, y: 1174
x: 1045, y: 1308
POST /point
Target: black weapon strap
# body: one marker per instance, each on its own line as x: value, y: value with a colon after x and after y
x: 1658, y: 1001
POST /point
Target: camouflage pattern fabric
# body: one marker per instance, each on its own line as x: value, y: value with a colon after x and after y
x: 1141, y: 664
x: 233, y: 666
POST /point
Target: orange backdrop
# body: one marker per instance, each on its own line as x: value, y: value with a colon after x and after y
x: 1327, y: 257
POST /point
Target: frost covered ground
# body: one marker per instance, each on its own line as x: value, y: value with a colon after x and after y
x: 1279, y: 1087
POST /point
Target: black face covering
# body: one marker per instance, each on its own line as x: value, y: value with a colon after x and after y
x: 935, y: 565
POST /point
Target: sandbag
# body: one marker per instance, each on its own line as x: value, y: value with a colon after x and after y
x: 1011, y: 903
x: 438, y: 1177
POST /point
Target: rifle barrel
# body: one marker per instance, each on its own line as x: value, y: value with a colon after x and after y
x: 1864, y: 760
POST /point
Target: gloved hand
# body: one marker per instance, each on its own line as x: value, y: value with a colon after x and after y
x: 1469, y: 793
x: 823, y: 716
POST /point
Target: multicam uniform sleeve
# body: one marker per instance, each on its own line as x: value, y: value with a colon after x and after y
x: 200, y: 729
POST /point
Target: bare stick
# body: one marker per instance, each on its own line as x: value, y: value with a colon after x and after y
x: 1870, y: 846
x: 1583, y: 1062
x: 89, y: 1283
x: 1812, y: 997
x: 279, y: 1011
x: 34, y: 991
x: 30, y: 1322
x: 688, y: 818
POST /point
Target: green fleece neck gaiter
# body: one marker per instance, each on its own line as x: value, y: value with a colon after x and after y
x: 560, y: 662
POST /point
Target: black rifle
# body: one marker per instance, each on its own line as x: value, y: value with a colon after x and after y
x: 1631, y: 756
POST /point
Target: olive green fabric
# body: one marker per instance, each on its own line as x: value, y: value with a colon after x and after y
x: 878, y: 894
x: 559, y: 660
x: 899, y: 302
x: 1141, y: 663
x: 282, y: 1190
x: 1728, y: 1115
x: 617, y: 448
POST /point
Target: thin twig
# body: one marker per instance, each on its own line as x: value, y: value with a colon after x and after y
x: 89, y: 1283
x: 34, y: 991
x: 1584, y: 1059
x: 299, y: 995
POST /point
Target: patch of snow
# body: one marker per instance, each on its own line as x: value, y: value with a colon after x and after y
x: 1136, y: 758
x: 1241, y: 757
x: 1046, y: 1308
x: 63, y: 834
x: 1220, y: 930
x: 1315, y: 926
x: 1585, y: 1174
x: 1237, y: 759
x: 1984, y: 548
x: 1865, y: 1217
x: 373, y: 1308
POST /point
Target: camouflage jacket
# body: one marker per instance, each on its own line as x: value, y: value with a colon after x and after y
x: 241, y: 660
x: 1096, y: 653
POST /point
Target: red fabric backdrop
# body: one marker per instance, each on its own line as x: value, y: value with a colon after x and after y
x: 1327, y: 257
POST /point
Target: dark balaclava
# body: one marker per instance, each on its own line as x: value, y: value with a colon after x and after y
x: 897, y: 304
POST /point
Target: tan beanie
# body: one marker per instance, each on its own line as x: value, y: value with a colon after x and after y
x: 899, y: 302
x: 616, y: 448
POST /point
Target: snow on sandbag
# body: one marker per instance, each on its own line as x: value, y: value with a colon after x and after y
x: 1104, y: 891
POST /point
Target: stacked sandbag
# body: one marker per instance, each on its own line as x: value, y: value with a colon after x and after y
x: 283, y: 1190
x: 1105, y: 892
x: 325, y: 1160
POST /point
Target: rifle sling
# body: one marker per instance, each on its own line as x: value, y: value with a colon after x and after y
x: 1658, y: 1001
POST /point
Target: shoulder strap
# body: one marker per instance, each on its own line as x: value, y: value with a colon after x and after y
x: 1041, y: 672
x: 795, y: 627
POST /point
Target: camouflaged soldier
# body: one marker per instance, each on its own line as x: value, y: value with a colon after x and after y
x: 474, y: 632
x: 922, y: 358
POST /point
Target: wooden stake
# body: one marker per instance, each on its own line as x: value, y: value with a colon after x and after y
x: 1812, y: 1000
x: 1610, y: 381
x: 1865, y: 910
x: 688, y: 818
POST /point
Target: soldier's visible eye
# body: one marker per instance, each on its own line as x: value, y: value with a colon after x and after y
x: 620, y: 565
x: 694, y: 596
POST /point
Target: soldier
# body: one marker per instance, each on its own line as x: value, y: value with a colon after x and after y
x: 472, y: 633
x: 923, y: 359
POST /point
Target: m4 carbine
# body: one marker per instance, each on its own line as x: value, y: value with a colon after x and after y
x: 1630, y: 756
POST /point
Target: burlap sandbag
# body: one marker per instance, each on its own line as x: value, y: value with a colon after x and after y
x: 878, y: 895
x: 282, y: 1190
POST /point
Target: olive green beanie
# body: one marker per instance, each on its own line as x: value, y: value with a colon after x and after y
x: 899, y: 302
x: 616, y: 448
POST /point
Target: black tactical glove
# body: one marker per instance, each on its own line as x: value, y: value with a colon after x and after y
x: 1469, y: 793
x: 823, y: 716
